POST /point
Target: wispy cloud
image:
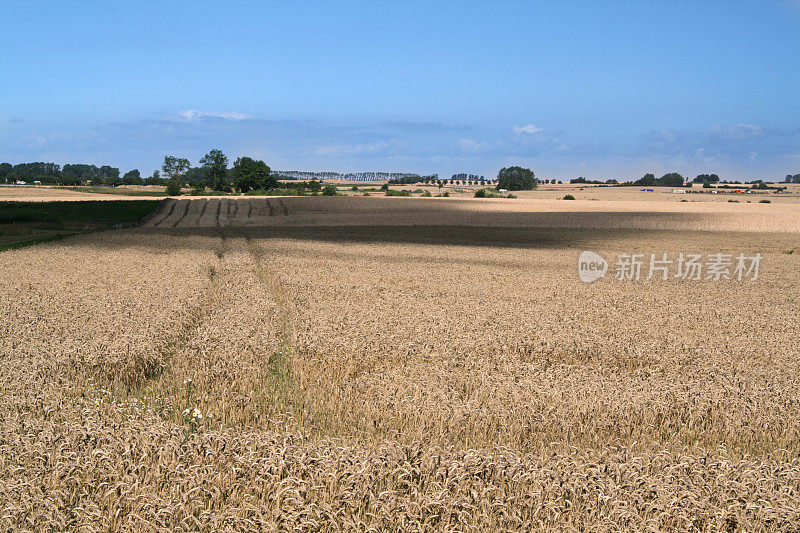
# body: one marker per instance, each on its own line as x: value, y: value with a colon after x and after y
x: 528, y: 129
x: 470, y: 146
x: 408, y: 146
x: 730, y: 141
x: 737, y: 132
x: 422, y: 127
x: 383, y: 148
x: 194, y: 114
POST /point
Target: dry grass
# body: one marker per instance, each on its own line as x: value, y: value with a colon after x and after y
x: 38, y: 193
x: 394, y: 379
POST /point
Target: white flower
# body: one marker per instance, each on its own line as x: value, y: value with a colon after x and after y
x: 196, y: 413
x: 185, y: 412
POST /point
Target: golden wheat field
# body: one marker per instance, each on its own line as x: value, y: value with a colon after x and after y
x: 317, y: 364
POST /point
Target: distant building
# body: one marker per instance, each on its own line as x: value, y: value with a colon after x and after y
x: 20, y: 182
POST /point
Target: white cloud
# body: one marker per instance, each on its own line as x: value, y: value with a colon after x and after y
x: 341, y: 150
x: 528, y: 129
x: 737, y: 131
x: 31, y: 140
x: 193, y: 114
x: 468, y: 145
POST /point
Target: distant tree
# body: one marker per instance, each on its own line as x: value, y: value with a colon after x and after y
x: 76, y: 174
x: 673, y: 179
x: 155, y: 179
x: 329, y: 190
x: 38, y: 171
x: 5, y: 172
x: 648, y: 180
x: 516, y: 179
x: 250, y: 174
x: 315, y: 186
x: 132, y: 177
x: 215, y: 166
x: 110, y: 175
x: 175, y: 169
x: 706, y: 178
x: 195, y: 177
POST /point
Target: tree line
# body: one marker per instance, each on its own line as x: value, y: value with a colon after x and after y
x: 351, y: 176
x: 249, y: 174
x: 69, y: 174
x: 245, y: 175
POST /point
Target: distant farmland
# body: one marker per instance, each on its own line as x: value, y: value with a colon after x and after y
x: 359, y: 211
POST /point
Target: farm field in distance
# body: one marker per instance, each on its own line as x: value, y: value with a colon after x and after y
x: 430, y: 364
x: 28, y: 222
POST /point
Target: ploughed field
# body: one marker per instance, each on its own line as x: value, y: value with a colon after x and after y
x: 332, y: 367
x: 475, y: 212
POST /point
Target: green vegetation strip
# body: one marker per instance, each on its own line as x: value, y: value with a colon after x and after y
x: 69, y: 218
x: 91, y: 214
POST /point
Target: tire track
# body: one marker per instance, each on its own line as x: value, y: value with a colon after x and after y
x: 185, y: 211
x: 165, y: 217
x: 202, y: 212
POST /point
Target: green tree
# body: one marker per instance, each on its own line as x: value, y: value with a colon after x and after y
x: 250, y: 174
x: 673, y: 179
x: 706, y: 178
x: 516, y: 179
x: 155, y: 179
x: 329, y: 190
x: 175, y: 169
x: 648, y: 180
x: 5, y: 172
x: 132, y: 177
x: 195, y: 177
x: 110, y: 175
x: 215, y: 166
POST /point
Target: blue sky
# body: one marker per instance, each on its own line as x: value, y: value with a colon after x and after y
x: 598, y: 89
